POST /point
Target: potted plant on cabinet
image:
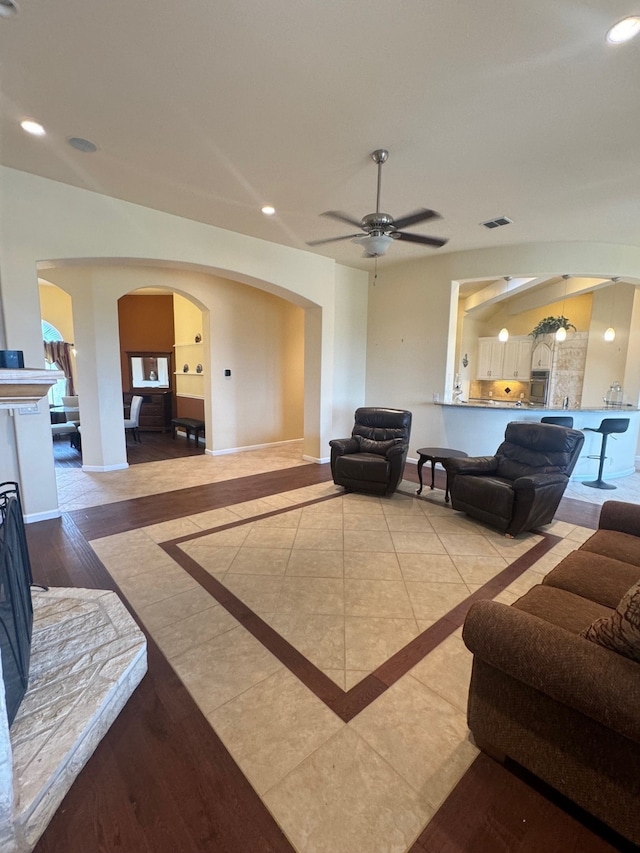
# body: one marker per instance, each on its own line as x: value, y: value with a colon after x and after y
x: 550, y: 325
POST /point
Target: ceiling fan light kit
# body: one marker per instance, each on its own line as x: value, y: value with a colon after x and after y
x: 381, y: 229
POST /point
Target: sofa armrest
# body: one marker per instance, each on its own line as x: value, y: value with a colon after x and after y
x: 340, y: 446
x: 620, y: 516
x: 471, y: 465
x: 592, y: 680
x: 537, y: 481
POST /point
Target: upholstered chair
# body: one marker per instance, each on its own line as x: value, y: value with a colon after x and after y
x: 372, y: 459
x: 131, y: 423
x: 520, y: 487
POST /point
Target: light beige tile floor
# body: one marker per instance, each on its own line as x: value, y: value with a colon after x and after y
x: 348, y: 601
x: 370, y: 590
x: 627, y: 489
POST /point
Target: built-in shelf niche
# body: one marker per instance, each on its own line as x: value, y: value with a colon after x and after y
x: 189, y: 383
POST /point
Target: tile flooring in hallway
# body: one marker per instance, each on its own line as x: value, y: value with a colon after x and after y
x: 319, y: 634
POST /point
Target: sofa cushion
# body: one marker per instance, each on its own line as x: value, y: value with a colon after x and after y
x: 594, y: 576
x: 613, y: 543
x: 562, y: 608
x: 621, y: 630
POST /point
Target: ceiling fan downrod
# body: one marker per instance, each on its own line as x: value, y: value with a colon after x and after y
x: 379, y: 156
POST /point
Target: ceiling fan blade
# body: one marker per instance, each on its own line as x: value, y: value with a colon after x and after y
x: 342, y: 217
x: 421, y: 215
x: 419, y: 238
x: 332, y: 239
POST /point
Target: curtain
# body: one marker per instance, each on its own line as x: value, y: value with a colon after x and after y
x: 60, y: 353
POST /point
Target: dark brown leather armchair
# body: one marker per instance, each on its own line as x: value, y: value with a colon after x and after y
x: 372, y: 460
x: 521, y: 486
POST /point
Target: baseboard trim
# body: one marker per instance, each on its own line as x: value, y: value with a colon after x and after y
x: 228, y: 450
x: 99, y: 469
x: 32, y: 517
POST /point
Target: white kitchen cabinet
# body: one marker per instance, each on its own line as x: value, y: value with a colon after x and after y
x: 490, y: 358
x: 517, y: 359
x: 509, y: 360
x: 542, y: 357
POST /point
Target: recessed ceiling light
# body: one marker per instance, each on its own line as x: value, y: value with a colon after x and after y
x: 84, y: 145
x: 624, y: 30
x: 32, y: 127
x: 7, y: 8
x: 268, y: 210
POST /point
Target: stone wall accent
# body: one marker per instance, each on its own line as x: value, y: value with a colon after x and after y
x: 567, y: 372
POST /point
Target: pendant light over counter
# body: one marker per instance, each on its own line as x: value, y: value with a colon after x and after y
x: 503, y: 334
x: 610, y: 333
x: 561, y: 333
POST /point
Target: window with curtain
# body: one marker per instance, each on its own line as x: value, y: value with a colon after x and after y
x: 57, y: 356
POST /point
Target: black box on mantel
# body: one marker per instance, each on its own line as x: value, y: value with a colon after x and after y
x: 11, y: 358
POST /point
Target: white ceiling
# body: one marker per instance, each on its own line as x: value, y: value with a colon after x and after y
x: 209, y: 110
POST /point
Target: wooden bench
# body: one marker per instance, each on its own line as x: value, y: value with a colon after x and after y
x: 189, y: 425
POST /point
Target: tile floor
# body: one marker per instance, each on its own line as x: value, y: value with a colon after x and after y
x: 627, y: 489
x: 347, y: 581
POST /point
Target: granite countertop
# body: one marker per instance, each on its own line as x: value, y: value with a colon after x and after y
x: 528, y: 407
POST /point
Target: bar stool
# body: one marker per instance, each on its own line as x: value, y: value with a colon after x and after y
x: 565, y: 422
x: 608, y: 426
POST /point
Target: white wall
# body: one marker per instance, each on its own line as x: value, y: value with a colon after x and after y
x: 43, y: 221
x: 350, y: 351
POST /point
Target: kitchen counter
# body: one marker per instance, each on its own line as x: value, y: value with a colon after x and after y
x: 607, y: 411
x: 478, y: 428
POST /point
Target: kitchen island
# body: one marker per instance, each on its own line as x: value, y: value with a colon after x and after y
x: 478, y: 428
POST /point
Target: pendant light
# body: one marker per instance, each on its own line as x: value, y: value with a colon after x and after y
x: 561, y: 333
x: 610, y: 333
x: 503, y: 334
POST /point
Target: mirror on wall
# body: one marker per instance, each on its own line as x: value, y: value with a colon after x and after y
x: 149, y: 370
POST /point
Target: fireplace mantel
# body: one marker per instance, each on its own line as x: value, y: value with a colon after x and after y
x: 24, y: 386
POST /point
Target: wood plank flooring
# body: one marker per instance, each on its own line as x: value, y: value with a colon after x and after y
x: 153, y: 447
x: 161, y: 781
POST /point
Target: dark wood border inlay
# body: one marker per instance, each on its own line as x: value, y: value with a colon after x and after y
x: 349, y: 704
x: 120, y: 516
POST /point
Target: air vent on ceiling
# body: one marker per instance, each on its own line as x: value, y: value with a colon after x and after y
x: 496, y: 223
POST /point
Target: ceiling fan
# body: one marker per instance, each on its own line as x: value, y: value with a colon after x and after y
x: 381, y: 229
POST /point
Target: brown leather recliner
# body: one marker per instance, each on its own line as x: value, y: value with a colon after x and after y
x: 521, y: 486
x: 372, y: 460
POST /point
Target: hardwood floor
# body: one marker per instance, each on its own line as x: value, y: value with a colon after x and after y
x: 502, y: 809
x: 153, y: 447
x: 161, y: 781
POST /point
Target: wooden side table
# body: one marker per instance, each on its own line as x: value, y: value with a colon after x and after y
x: 433, y: 455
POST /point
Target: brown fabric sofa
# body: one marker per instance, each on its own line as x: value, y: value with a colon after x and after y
x: 564, y: 707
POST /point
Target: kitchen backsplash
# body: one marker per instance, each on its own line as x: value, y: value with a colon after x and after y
x: 488, y: 389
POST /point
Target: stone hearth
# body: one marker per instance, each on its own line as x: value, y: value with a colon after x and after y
x: 87, y: 657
